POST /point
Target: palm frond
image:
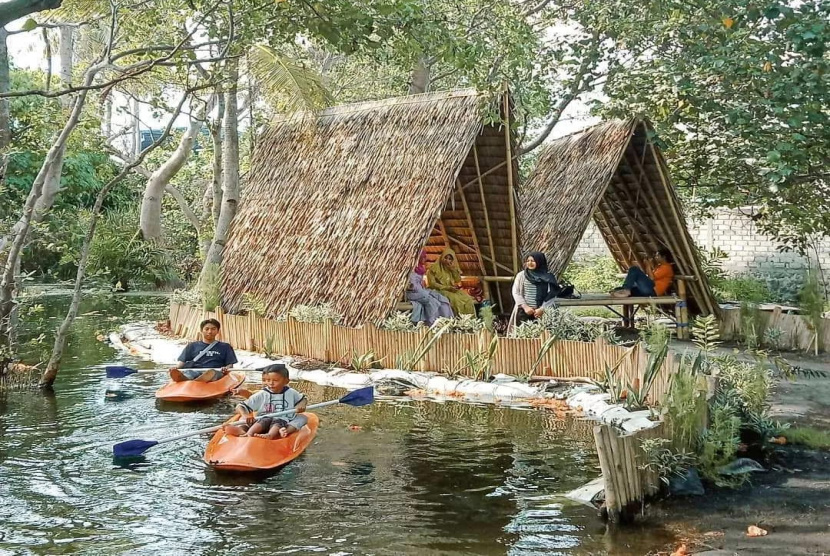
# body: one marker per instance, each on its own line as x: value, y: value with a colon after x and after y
x: 288, y: 85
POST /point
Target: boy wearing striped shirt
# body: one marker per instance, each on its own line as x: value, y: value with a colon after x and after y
x: 277, y: 396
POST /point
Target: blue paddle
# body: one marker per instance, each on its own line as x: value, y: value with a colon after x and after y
x: 135, y: 448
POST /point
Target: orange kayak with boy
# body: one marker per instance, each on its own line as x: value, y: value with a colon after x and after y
x: 251, y: 453
x: 194, y: 391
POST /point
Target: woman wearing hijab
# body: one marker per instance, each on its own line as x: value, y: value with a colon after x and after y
x: 427, y: 305
x: 532, y: 287
x: 444, y: 276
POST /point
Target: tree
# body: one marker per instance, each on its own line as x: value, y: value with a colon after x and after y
x: 738, y: 93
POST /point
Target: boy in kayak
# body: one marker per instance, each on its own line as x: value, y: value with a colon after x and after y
x: 275, y: 397
x: 210, y: 354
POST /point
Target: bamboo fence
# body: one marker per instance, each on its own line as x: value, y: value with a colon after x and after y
x: 627, y: 485
x: 515, y: 356
x: 796, y: 332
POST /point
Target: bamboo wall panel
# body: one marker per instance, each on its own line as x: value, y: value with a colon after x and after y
x: 514, y: 356
x: 795, y: 329
x: 627, y: 485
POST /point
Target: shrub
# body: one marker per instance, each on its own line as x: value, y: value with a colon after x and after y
x: 563, y: 325
x: 660, y: 457
x: 464, y: 324
x: 398, y: 321
x: 594, y: 274
x: 741, y: 289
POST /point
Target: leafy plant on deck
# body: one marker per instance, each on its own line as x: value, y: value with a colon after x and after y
x: 314, y: 313
x: 637, y: 393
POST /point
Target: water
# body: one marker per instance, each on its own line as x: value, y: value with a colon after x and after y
x: 416, y: 478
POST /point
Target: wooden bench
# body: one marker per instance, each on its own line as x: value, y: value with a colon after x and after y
x: 630, y: 305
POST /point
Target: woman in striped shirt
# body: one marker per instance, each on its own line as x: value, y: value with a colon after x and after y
x: 532, y: 287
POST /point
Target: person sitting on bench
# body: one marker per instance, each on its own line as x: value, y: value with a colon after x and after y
x: 639, y: 284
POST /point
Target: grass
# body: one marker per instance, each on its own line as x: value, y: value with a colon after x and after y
x: 808, y: 436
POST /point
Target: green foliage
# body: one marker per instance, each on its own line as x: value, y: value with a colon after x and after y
x: 655, y: 336
x: 720, y: 444
x: 637, y: 393
x: 251, y: 303
x: 752, y: 325
x: 810, y: 437
x: 488, y: 317
x: 463, y: 324
x: 407, y: 360
x: 745, y: 385
x: 744, y: 289
x: 478, y: 363
x: 744, y: 99
x: 706, y: 333
x: 685, y: 405
x: 543, y: 351
x: 399, y: 321
x: 363, y: 362
x: 209, y: 287
x: 666, y: 462
x: 314, y: 313
x: 562, y: 325
x: 594, y: 274
x: 270, y: 347
x: 119, y: 254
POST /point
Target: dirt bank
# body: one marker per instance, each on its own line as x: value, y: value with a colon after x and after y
x: 791, y: 501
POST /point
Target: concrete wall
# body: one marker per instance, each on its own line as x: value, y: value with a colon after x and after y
x: 750, y: 252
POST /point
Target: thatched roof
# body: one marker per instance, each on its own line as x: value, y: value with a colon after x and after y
x: 614, y: 173
x: 336, y: 210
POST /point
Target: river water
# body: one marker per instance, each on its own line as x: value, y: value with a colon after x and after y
x: 418, y: 477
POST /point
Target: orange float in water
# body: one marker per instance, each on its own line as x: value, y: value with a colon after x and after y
x: 193, y: 391
x: 244, y: 453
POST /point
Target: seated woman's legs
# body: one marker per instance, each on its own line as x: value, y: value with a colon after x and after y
x: 636, y: 283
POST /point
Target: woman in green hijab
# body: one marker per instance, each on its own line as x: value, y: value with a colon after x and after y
x: 444, y: 276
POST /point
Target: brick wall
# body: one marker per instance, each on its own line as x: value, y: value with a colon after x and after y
x: 750, y: 252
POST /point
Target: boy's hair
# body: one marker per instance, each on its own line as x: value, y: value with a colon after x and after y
x: 278, y: 368
x: 214, y: 322
x: 666, y: 254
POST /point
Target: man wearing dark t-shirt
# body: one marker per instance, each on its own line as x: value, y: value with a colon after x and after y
x: 210, y: 354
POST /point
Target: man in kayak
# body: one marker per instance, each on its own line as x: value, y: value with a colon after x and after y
x: 209, y: 353
x: 277, y: 396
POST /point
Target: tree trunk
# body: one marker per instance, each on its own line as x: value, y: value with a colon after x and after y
x: 5, y: 84
x: 108, y: 118
x: 47, y: 47
x: 67, y: 52
x: 230, y: 179
x: 136, y: 135
x: 216, y: 135
x: 419, y: 78
x: 48, y: 171
x: 150, y: 219
x: 49, y: 375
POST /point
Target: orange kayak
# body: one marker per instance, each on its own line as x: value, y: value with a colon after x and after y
x: 243, y: 453
x: 192, y: 391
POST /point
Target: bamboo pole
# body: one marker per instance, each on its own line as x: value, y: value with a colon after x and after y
x: 672, y: 200
x: 495, y: 168
x: 487, y: 223
x: 510, y: 187
x: 471, y: 248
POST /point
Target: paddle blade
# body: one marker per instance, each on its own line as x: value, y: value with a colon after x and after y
x: 132, y: 448
x: 363, y: 396
x: 119, y: 372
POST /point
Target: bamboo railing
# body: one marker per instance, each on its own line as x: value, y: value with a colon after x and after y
x: 333, y: 343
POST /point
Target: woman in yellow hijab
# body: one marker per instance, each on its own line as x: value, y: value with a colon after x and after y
x: 444, y: 276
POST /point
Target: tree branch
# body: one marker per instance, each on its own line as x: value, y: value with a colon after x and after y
x: 15, y: 9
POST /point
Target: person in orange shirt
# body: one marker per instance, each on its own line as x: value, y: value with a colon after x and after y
x: 639, y: 284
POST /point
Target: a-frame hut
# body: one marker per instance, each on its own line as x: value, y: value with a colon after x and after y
x: 336, y: 210
x: 615, y: 174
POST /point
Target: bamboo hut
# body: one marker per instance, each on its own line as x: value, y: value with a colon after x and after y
x: 614, y: 173
x: 337, y: 209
